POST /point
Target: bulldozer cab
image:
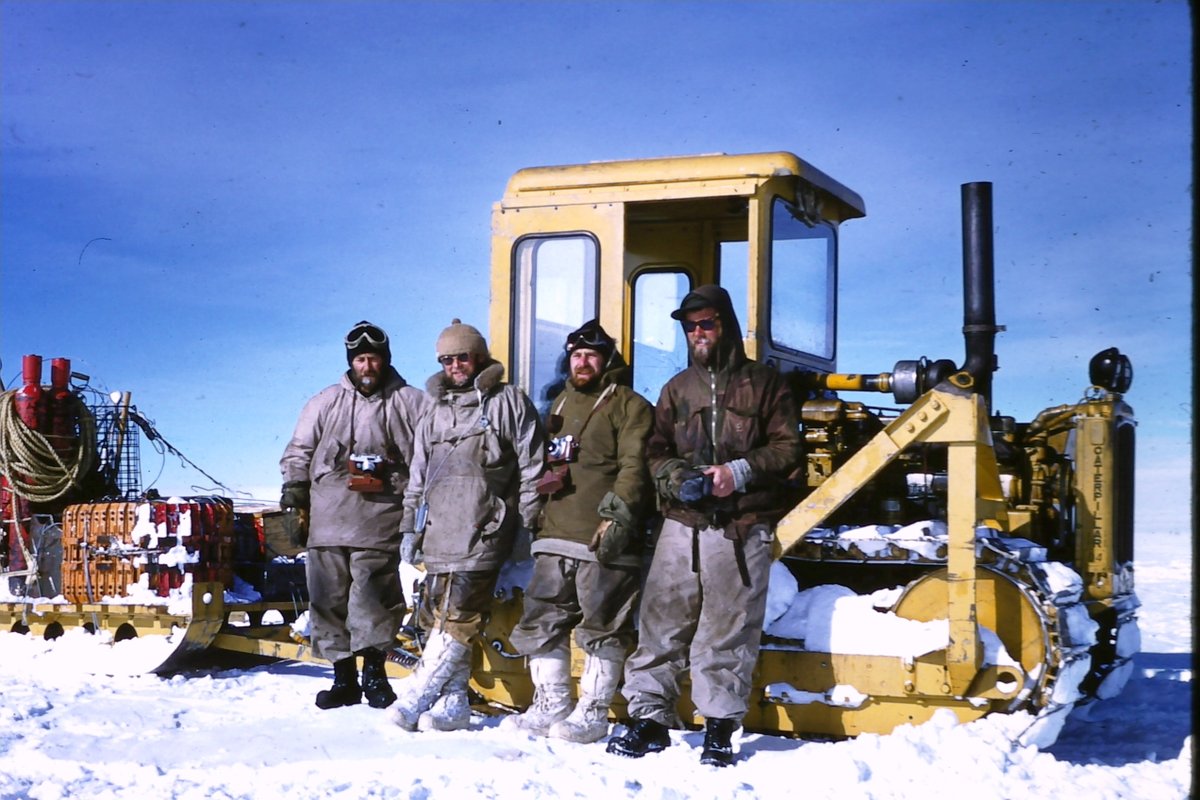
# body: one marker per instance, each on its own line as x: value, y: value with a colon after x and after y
x: 624, y: 241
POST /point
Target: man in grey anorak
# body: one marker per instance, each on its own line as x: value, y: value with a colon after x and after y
x: 347, y: 465
x: 479, y: 452
x: 588, y: 554
x: 724, y: 450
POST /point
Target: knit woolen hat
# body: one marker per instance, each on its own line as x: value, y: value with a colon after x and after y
x: 365, y: 337
x: 460, y: 338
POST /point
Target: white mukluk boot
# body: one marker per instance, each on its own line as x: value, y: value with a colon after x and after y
x: 551, y: 675
x: 589, y: 721
x: 417, y: 693
x: 451, y: 711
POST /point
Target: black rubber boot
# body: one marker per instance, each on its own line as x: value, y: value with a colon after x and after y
x: 345, y: 690
x: 644, y: 736
x: 374, y: 679
x: 718, y: 742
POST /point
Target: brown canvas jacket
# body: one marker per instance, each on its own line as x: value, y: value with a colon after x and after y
x: 756, y: 419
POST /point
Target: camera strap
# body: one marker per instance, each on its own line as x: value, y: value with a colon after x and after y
x: 389, y: 445
x: 601, y: 400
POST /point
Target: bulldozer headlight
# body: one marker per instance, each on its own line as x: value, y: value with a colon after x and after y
x: 1110, y: 370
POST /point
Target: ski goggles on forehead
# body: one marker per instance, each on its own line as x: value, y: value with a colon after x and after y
x: 366, y: 333
x: 707, y: 324
x: 591, y: 340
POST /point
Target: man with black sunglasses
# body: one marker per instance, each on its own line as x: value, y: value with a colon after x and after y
x: 479, y: 452
x: 588, y: 555
x: 347, y: 466
x: 725, y: 444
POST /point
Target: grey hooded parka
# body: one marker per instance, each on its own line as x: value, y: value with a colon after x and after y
x: 478, y: 455
x: 340, y: 421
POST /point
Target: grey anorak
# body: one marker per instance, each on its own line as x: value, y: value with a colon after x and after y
x: 478, y: 454
x: 340, y: 421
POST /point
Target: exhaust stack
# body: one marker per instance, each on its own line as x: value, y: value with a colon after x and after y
x: 979, y: 287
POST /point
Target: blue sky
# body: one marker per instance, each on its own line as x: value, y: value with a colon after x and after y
x: 198, y: 199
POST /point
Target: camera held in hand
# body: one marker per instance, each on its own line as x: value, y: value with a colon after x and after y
x: 367, y: 472
x: 694, y: 486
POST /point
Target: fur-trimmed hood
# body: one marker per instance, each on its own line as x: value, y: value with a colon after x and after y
x: 485, y: 381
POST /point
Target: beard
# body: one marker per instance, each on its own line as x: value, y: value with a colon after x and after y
x: 703, y: 353
x: 584, y: 380
x: 367, y: 383
x: 461, y: 377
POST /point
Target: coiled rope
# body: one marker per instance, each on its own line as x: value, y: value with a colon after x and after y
x: 30, y: 464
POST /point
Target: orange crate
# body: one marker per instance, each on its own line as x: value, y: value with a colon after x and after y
x: 107, y: 576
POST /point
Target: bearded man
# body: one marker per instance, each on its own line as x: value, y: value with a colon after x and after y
x: 726, y: 442
x: 588, y: 554
x: 478, y: 453
x: 347, y: 467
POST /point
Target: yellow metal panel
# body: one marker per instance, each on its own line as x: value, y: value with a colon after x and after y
x: 682, y: 176
x: 1097, y: 494
x: 669, y: 170
x: 650, y: 192
x: 966, y: 650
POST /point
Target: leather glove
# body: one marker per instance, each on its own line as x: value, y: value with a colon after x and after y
x: 295, y: 523
x: 410, y: 548
x: 609, y: 541
x: 295, y: 495
x: 693, y: 486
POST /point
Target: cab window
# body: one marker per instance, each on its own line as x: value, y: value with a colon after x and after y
x: 555, y: 293
x: 659, y: 346
x: 803, y: 281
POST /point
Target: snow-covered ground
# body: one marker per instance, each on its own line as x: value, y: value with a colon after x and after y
x: 68, y: 730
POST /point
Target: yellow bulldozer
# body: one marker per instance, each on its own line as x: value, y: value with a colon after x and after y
x: 1016, y: 538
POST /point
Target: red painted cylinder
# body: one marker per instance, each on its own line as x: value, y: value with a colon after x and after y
x: 60, y: 409
x: 28, y: 400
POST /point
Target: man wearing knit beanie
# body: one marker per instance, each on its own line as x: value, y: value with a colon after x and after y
x: 346, y: 469
x: 472, y: 497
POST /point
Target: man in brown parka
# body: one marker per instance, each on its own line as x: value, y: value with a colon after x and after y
x: 363, y: 425
x: 588, y: 554
x: 726, y: 441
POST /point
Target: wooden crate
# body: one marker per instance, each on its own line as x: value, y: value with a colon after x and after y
x: 103, y: 529
x: 107, y: 576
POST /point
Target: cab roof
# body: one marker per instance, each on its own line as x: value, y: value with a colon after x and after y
x: 638, y: 179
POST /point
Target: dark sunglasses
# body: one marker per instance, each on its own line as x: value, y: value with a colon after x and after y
x: 461, y: 358
x: 703, y: 324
